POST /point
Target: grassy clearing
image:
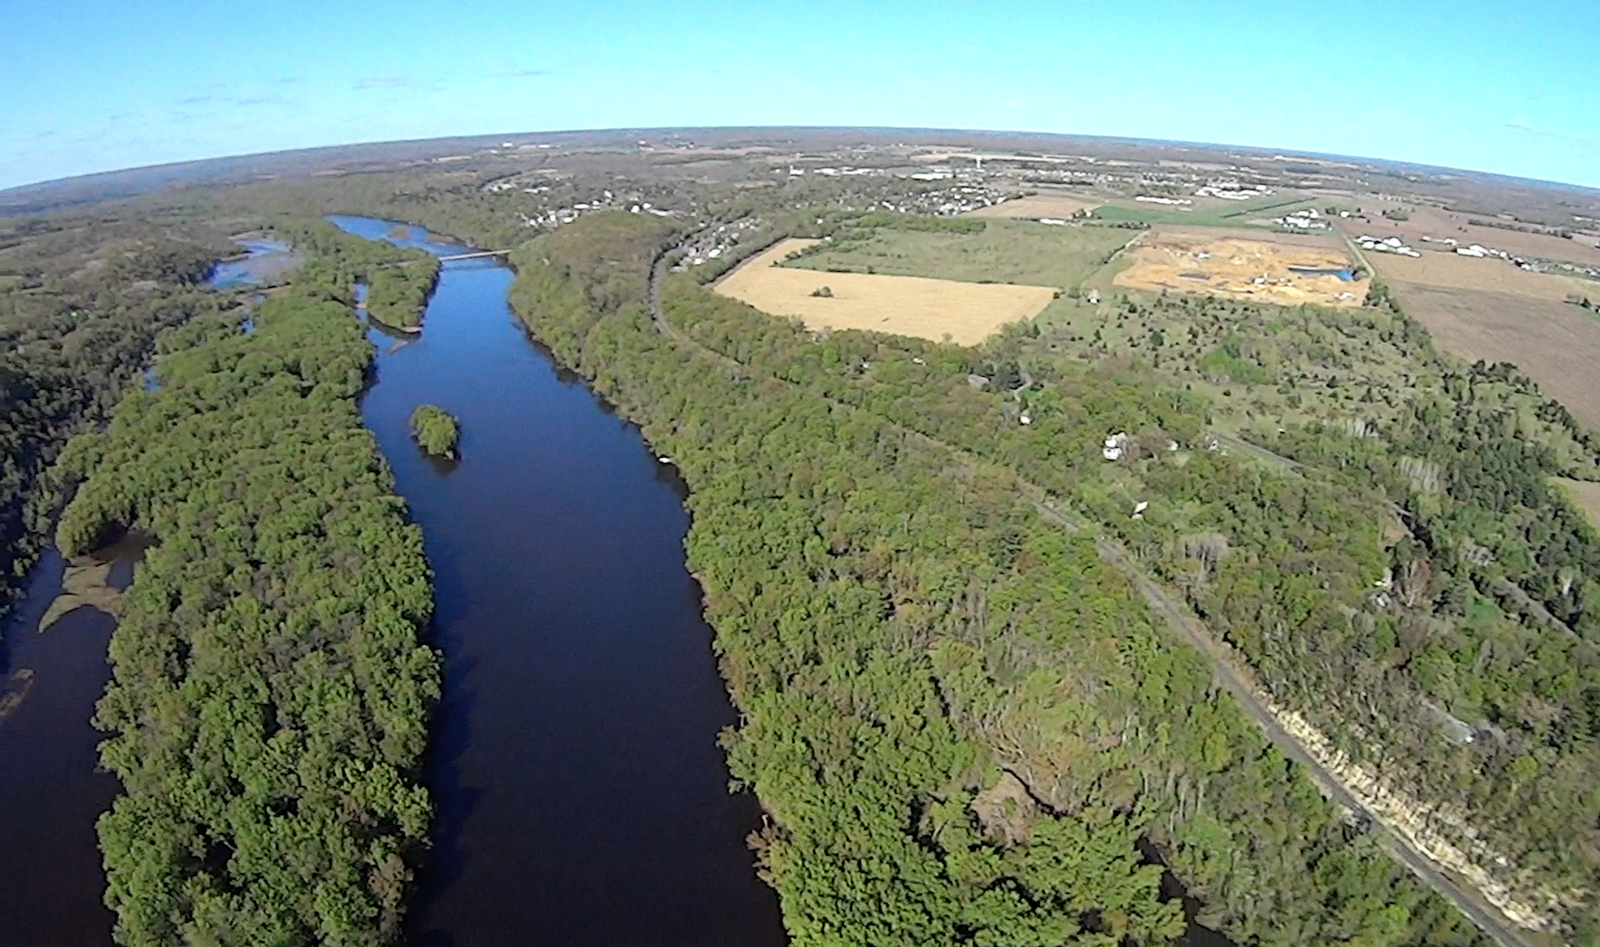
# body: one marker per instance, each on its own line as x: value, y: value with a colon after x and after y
x: 1210, y: 213
x: 1259, y: 366
x: 1262, y: 367
x: 1005, y: 251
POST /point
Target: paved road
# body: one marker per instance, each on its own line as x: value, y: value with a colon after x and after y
x: 1178, y: 617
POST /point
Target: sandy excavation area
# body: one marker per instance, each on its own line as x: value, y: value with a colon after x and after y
x: 1260, y: 270
x: 965, y: 313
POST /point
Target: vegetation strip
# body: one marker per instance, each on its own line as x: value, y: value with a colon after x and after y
x: 946, y: 701
x: 270, y: 697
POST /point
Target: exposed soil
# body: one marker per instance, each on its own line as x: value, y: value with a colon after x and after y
x: 1038, y: 205
x: 1452, y: 271
x: 1189, y: 262
x: 1554, y: 343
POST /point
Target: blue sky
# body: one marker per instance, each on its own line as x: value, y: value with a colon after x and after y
x: 93, y: 85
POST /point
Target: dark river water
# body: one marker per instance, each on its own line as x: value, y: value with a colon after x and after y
x: 51, y: 790
x: 581, y: 796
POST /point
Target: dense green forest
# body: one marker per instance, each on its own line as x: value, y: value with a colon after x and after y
x: 1408, y: 578
x: 81, y: 304
x: 435, y: 430
x: 961, y: 722
x: 338, y: 259
x: 1412, y: 583
x: 270, y: 693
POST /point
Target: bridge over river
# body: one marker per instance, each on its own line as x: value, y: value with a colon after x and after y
x: 474, y: 255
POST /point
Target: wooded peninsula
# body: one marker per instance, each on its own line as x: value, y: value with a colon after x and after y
x: 271, y: 693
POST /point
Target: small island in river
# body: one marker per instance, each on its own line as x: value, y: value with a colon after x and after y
x: 435, y: 430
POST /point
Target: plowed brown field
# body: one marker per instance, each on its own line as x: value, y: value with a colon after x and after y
x: 1554, y: 343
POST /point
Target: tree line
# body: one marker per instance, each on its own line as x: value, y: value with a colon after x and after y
x: 961, y: 723
x: 1410, y: 582
x: 82, y: 300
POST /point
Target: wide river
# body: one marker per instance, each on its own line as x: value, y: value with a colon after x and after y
x: 580, y: 796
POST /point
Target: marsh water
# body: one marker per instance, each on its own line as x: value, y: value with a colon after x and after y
x: 262, y: 259
x: 1344, y: 273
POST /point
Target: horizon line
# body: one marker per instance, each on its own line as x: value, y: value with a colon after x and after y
x: 1263, y: 150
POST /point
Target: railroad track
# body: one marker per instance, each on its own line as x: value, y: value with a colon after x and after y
x: 1227, y: 669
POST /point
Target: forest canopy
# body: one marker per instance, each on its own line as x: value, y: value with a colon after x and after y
x: 81, y: 305
x: 962, y: 722
x: 271, y: 693
x: 435, y: 430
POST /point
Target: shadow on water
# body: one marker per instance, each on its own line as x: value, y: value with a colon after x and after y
x: 580, y: 794
x: 1195, y: 934
x: 451, y: 735
x: 51, y: 789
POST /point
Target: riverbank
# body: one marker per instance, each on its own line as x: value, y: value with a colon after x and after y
x: 895, y: 622
x: 580, y: 793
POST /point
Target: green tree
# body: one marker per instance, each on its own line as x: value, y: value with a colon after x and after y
x: 435, y: 430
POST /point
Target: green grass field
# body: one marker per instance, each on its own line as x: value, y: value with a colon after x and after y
x: 1005, y: 251
x: 1228, y: 214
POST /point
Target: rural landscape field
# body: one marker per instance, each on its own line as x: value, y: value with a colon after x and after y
x: 950, y: 310
x: 1301, y: 327
x: 800, y: 536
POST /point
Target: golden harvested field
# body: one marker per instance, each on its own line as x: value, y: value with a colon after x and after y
x: 1554, y: 343
x: 933, y: 309
x: 1189, y: 262
x: 1036, y: 206
x: 1452, y: 271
